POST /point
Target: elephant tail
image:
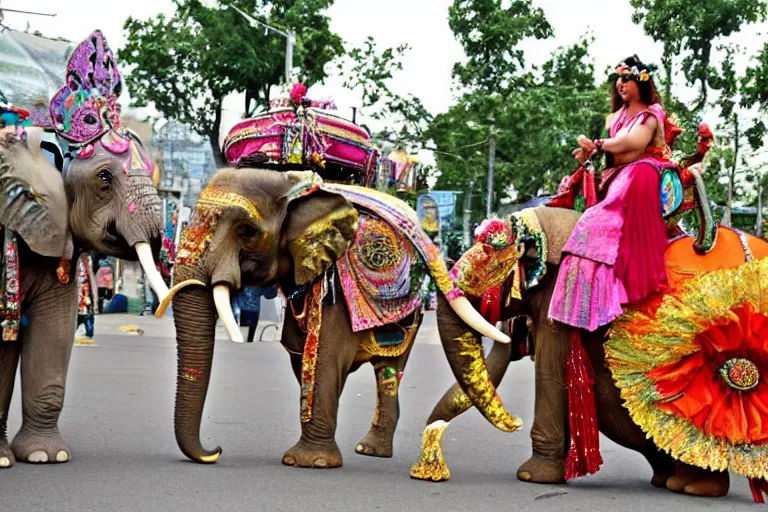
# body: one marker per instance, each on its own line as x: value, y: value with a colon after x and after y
x: 584, y: 452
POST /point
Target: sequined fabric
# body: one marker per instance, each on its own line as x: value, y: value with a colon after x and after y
x: 11, y: 290
x: 313, y: 322
x: 666, y: 355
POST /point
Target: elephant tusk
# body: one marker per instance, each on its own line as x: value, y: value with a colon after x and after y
x: 160, y: 311
x: 475, y: 320
x: 144, y: 253
x: 224, y: 308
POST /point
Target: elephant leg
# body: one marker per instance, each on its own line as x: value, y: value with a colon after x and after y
x: 46, y: 347
x: 431, y: 463
x: 9, y: 362
x: 388, y: 371
x: 549, y: 438
x: 336, y: 351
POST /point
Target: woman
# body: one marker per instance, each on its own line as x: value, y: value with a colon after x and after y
x: 615, y: 254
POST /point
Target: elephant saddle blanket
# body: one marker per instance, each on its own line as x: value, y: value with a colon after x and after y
x: 692, y: 362
x: 385, y: 272
x: 9, y: 286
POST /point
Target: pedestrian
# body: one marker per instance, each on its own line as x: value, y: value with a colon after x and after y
x: 249, y: 301
x: 86, y: 298
x: 104, y: 282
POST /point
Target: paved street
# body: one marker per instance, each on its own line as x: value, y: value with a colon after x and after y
x: 118, y: 420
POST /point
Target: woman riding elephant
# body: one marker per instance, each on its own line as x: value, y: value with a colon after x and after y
x: 351, y: 262
x: 81, y: 183
x: 621, y: 278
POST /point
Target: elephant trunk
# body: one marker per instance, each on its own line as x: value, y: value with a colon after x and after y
x: 464, y: 351
x: 195, y: 320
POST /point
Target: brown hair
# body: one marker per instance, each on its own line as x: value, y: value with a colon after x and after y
x: 648, y: 93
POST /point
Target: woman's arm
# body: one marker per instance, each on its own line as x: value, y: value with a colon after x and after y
x: 637, y: 139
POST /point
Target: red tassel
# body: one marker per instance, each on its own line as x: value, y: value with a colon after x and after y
x: 759, y: 486
x: 490, y: 305
x: 584, y: 454
x: 589, y: 189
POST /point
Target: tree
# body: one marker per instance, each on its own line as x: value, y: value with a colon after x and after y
x: 536, y: 128
x: 370, y: 72
x: 490, y: 35
x: 186, y: 65
x: 692, y: 28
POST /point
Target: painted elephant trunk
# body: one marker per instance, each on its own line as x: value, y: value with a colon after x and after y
x: 195, y: 320
x: 464, y: 351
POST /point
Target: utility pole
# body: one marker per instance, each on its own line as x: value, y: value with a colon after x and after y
x: 290, y: 37
x: 468, y: 216
x: 491, y: 162
x: 759, y: 219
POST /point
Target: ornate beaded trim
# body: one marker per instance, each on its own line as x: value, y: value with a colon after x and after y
x: 217, y: 198
x: 10, y: 283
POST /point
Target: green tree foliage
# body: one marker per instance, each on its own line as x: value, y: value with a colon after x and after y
x: 187, y: 64
x: 535, y: 128
x: 490, y: 35
x: 691, y: 28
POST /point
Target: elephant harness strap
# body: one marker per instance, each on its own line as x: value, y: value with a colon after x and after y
x: 9, y: 281
x: 310, y: 321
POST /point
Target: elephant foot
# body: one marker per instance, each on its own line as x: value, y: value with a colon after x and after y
x: 663, y: 466
x: 431, y: 464
x: 306, y: 455
x: 660, y: 479
x: 7, y: 459
x: 541, y: 470
x: 699, y: 482
x: 40, y: 448
x: 377, y: 443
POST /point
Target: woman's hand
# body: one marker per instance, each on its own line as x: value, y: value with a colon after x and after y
x: 580, y: 155
x: 587, y: 145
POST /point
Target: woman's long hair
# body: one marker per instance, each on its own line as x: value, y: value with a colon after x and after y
x: 648, y: 93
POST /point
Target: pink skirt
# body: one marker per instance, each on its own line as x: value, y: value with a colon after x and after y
x: 615, y: 254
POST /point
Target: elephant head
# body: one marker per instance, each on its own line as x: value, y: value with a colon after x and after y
x: 511, y: 264
x: 82, y: 179
x: 250, y: 227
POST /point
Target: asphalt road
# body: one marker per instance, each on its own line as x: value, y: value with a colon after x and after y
x: 118, y: 421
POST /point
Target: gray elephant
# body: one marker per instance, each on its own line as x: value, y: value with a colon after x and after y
x: 350, y: 261
x: 81, y: 183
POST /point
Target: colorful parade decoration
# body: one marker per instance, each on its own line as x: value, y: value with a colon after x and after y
x: 298, y: 133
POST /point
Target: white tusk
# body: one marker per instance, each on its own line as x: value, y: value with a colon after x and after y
x: 224, y: 308
x: 150, y: 270
x: 475, y: 320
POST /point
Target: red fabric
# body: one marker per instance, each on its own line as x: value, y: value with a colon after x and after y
x: 584, y: 453
x: 758, y: 487
x: 640, y: 262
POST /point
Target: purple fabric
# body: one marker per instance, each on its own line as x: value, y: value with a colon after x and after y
x: 86, y: 107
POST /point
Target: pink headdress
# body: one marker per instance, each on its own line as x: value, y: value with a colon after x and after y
x: 86, y: 107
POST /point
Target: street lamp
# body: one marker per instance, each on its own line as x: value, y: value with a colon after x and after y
x: 289, y: 43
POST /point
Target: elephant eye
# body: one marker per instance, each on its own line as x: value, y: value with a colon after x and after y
x: 106, y: 179
x: 247, y: 231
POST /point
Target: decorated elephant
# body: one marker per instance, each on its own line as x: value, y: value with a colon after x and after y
x: 679, y: 377
x: 80, y: 183
x: 351, y: 262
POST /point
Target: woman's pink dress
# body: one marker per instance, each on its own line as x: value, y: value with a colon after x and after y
x: 615, y: 254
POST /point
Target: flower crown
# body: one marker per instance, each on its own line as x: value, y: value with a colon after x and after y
x: 642, y: 75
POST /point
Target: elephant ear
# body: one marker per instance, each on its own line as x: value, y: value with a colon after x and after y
x: 557, y: 223
x: 319, y: 227
x: 33, y: 201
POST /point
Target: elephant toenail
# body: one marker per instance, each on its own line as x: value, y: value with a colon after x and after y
x: 359, y: 448
x: 38, y: 456
x: 62, y: 456
x: 320, y: 463
x: 289, y: 461
x: 5, y: 462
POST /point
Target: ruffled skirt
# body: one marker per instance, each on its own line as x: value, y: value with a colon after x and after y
x: 615, y: 254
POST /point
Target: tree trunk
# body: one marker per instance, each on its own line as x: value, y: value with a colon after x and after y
x: 213, y: 137
x: 667, y: 62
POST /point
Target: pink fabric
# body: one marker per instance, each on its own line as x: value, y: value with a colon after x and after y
x: 615, y: 254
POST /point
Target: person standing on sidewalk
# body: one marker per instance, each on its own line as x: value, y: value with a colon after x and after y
x: 104, y: 282
x: 86, y: 294
x: 249, y: 301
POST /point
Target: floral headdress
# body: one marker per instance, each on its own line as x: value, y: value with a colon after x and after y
x: 640, y: 74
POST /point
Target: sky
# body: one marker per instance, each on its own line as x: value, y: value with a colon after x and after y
x: 423, y: 24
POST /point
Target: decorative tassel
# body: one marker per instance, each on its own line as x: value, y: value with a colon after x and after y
x: 584, y: 454
x: 490, y: 305
x: 589, y: 189
x: 759, y: 486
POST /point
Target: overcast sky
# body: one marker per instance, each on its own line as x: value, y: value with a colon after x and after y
x: 421, y: 23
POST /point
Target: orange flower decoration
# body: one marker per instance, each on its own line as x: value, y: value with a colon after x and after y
x: 722, y: 388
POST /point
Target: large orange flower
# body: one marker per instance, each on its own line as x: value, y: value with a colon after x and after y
x: 692, y: 367
x: 722, y: 389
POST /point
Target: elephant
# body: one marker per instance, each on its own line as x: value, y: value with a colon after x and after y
x: 350, y: 261
x: 484, y: 266
x: 81, y: 183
